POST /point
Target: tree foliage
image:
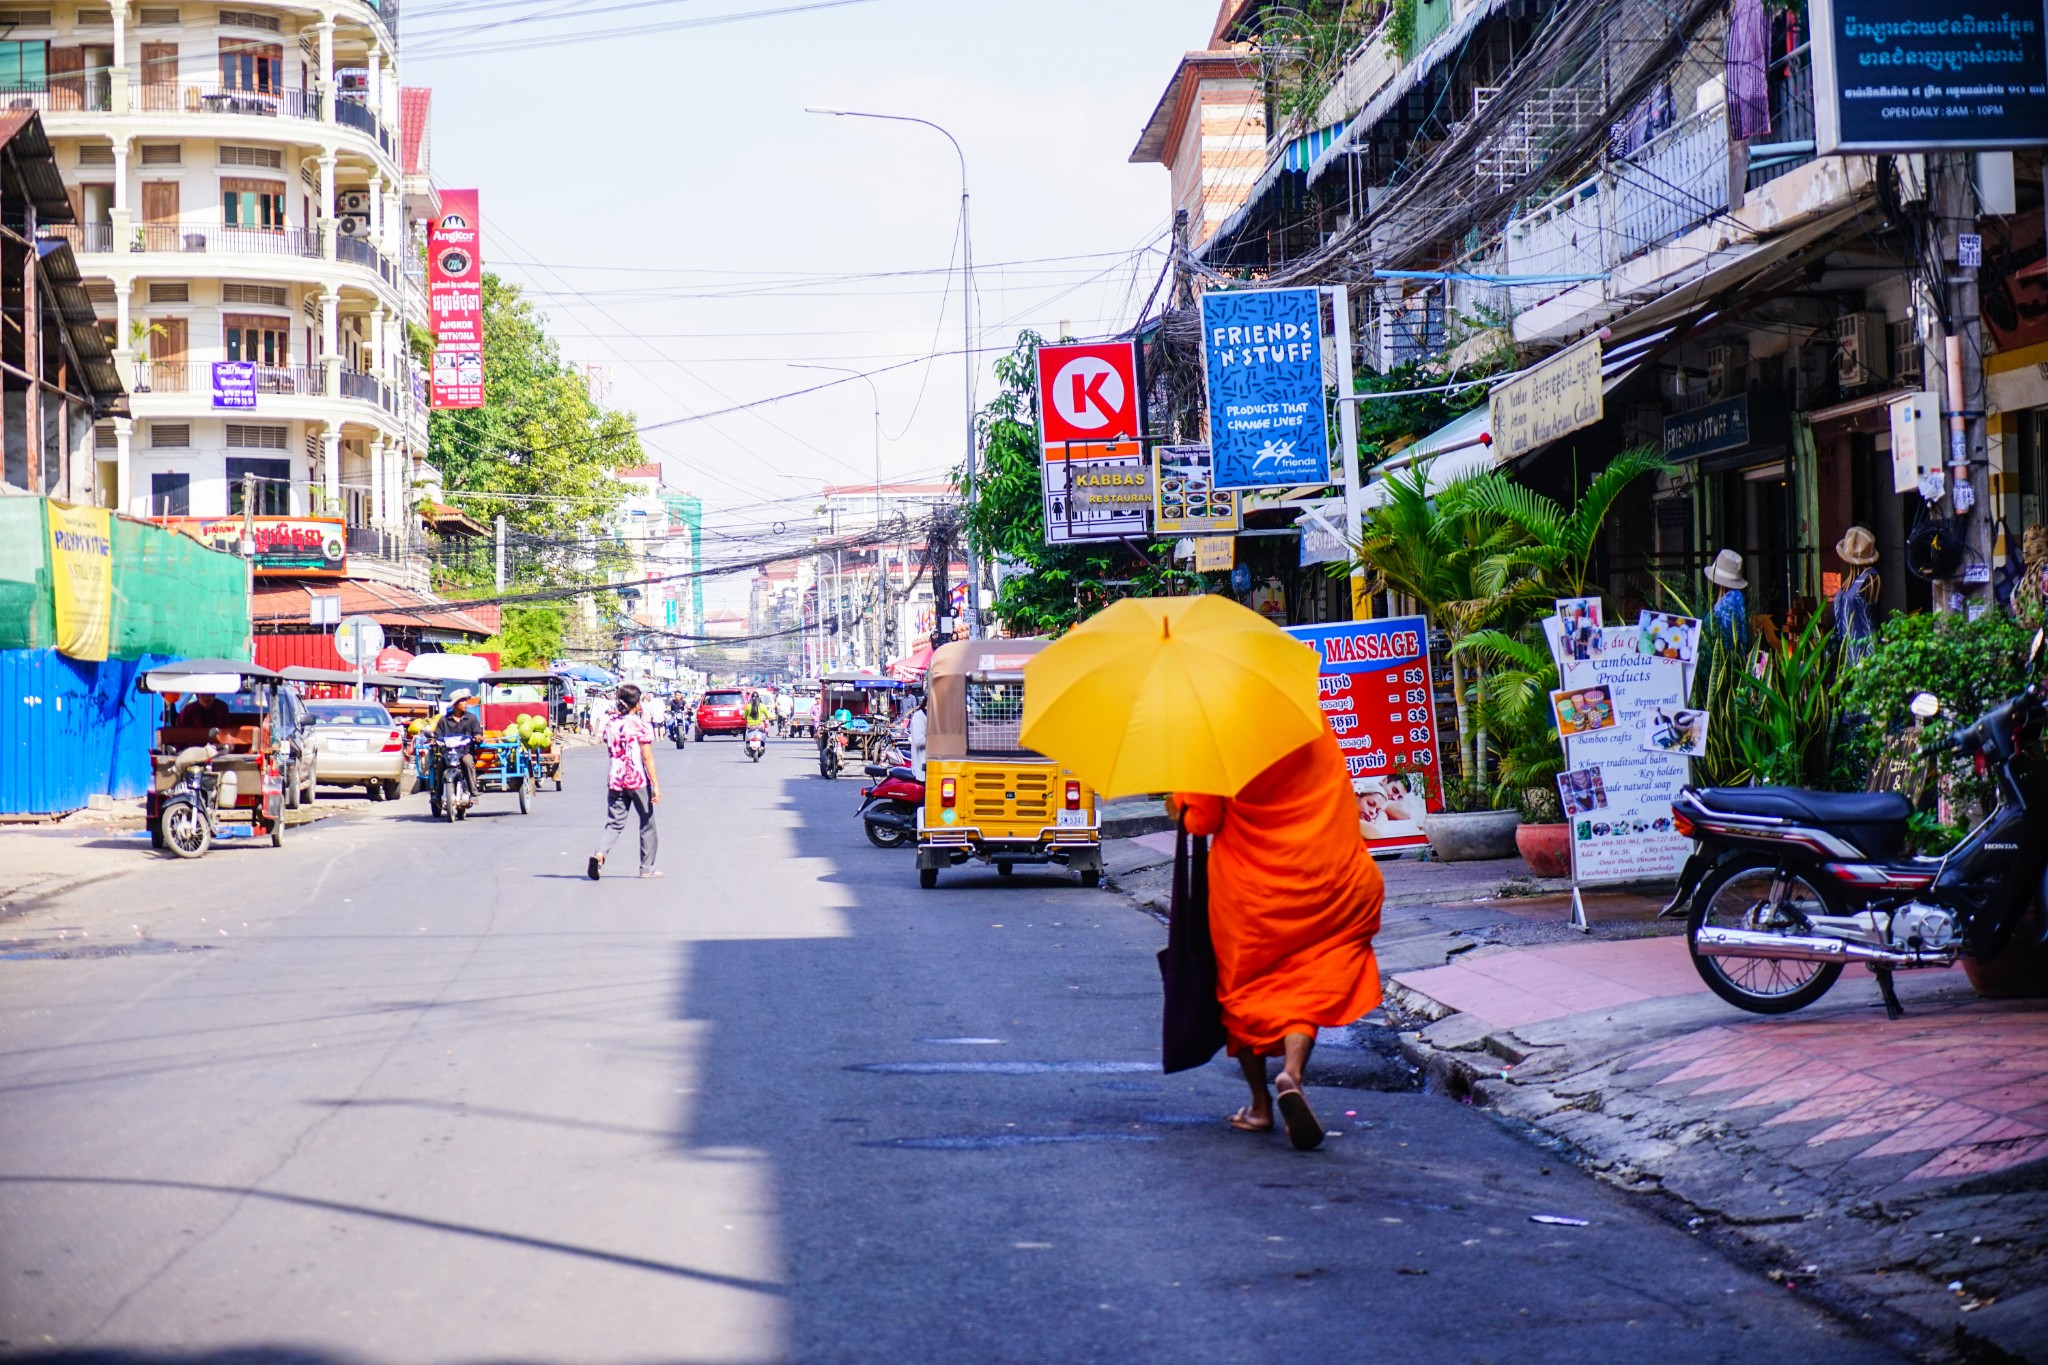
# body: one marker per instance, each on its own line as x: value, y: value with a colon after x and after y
x: 537, y: 435
x: 528, y: 637
x: 1045, y: 589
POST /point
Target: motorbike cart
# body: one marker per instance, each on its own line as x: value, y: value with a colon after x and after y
x: 986, y: 796
x: 219, y: 756
x: 514, y: 692
x: 508, y: 764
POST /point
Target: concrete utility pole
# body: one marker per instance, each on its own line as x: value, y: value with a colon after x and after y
x: 1961, y: 366
x: 500, y: 576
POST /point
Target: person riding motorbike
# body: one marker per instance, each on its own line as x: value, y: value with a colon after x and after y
x: 785, y: 708
x: 759, y: 713
x: 461, y: 720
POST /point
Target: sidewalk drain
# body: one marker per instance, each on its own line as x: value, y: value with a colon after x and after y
x: 1001, y: 1068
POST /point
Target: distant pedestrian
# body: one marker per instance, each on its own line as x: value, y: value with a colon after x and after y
x: 632, y: 784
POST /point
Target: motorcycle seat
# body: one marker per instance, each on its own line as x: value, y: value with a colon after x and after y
x: 903, y: 774
x: 1874, y: 822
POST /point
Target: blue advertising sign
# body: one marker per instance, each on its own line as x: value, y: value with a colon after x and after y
x: 1375, y: 692
x: 1262, y: 355
x: 234, y: 383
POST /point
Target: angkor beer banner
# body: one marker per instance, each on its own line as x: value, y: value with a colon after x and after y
x: 455, y: 301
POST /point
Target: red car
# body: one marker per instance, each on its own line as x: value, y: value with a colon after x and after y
x: 722, y: 713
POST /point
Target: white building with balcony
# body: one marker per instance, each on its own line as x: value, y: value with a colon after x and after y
x: 245, y: 192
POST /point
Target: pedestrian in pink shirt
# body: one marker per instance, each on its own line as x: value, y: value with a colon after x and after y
x: 632, y: 784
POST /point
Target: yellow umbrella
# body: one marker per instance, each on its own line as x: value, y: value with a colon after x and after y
x: 1158, y: 694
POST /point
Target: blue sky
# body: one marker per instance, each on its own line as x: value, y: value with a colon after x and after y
x: 675, y: 198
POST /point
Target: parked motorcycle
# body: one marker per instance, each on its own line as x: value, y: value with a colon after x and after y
x: 1788, y: 886
x: 449, y: 793
x: 889, y: 808
x: 190, y: 808
x: 757, y: 742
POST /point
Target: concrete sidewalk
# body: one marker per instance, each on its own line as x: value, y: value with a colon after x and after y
x: 1896, y: 1167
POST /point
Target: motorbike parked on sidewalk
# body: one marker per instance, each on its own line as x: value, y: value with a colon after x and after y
x: 1788, y: 886
x: 449, y: 793
x: 189, y: 811
x: 757, y: 742
x: 888, y: 810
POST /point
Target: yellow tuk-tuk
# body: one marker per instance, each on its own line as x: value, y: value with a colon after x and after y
x: 985, y: 795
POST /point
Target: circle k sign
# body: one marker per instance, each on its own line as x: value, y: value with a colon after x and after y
x: 1088, y: 393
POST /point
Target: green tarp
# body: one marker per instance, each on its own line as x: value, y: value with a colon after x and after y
x: 172, y: 595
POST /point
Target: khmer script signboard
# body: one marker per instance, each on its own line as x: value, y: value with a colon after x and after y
x: 1912, y: 76
x: 1375, y: 693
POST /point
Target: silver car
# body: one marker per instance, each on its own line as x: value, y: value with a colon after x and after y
x: 359, y: 745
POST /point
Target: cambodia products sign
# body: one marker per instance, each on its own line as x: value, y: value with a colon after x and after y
x: 82, y: 578
x: 455, y: 301
x: 1375, y: 693
x: 1262, y: 356
x: 1546, y: 401
x: 304, y: 547
x: 1910, y: 76
x: 1098, y: 491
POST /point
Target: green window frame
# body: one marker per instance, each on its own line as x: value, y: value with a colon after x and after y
x: 24, y: 66
x: 252, y: 209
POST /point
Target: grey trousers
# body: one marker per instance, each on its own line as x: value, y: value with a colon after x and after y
x: 619, y: 802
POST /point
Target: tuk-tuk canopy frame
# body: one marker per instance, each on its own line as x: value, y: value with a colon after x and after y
x: 946, y: 686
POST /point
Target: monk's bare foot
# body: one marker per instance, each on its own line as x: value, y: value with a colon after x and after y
x: 1303, y: 1129
x: 1250, y: 1120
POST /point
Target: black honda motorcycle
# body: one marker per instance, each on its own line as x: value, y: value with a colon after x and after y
x: 1788, y: 886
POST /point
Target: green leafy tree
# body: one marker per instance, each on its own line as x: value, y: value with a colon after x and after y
x: 538, y: 440
x: 528, y: 637
x: 1046, y: 589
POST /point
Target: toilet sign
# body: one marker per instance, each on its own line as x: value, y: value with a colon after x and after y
x: 1088, y: 392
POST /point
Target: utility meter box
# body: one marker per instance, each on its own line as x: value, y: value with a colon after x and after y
x: 1916, y: 440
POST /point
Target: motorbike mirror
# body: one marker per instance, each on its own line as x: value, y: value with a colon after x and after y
x: 1926, y: 706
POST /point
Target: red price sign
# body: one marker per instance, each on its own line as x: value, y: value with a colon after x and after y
x: 1376, y: 695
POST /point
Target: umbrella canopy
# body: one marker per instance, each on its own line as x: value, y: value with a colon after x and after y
x: 1157, y: 694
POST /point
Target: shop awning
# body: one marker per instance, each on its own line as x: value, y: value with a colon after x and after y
x: 284, y: 606
x: 913, y: 665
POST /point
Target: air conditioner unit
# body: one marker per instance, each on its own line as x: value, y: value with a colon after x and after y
x: 352, y: 226
x: 1862, y: 356
x: 1727, y: 369
x: 353, y: 201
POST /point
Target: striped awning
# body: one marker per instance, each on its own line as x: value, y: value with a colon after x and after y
x: 1303, y: 151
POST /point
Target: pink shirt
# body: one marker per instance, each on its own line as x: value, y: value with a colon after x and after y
x: 623, y: 736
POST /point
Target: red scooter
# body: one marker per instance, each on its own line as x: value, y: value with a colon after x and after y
x: 889, y: 808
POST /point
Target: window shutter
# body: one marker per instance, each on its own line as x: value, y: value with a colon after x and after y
x: 241, y: 18
x: 29, y: 18
x: 162, y: 154
x: 265, y: 295
x: 243, y: 436
x: 170, y: 435
x: 94, y: 18
x: 95, y: 154
x: 160, y: 17
x: 270, y: 157
x: 170, y: 291
x: 99, y: 291
x: 103, y: 438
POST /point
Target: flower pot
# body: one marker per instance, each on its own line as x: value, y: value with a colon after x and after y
x: 1471, y: 835
x: 1547, y: 849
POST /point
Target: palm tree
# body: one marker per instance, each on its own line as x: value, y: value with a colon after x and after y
x: 1553, y: 554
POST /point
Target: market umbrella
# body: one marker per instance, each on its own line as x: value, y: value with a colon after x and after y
x: 1158, y: 694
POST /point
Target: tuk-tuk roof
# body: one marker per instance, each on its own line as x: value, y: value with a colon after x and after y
x: 300, y: 673
x: 850, y: 676
x: 520, y: 675
x: 952, y: 665
x: 190, y: 668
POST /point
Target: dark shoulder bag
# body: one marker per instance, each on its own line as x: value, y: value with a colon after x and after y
x: 1192, y: 1030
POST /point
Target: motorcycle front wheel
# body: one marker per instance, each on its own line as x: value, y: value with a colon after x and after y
x: 447, y: 809
x: 1737, y: 895
x: 185, y: 830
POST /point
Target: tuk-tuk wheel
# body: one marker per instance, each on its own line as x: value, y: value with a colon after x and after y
x: 525, y: 795
x: 277, y: 831
x: 927, y: 877
x: 1091, y: 877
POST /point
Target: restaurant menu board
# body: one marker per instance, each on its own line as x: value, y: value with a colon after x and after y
x: 1375, y: 692
x: 1617, y: 793
x: 1189, y: 502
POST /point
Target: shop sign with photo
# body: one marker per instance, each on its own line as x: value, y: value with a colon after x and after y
x: 1546, y: 401
x: 1097, y: 490
x: 1909, y: 76
x: 1188, y: 501
x: 1376, y: 694
x: 1708, y: 430
x: 1262, y: 359
x: 303, y: 547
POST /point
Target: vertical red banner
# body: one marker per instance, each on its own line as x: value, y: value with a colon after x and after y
x: 455, y: 301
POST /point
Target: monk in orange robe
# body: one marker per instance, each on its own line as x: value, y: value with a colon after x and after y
x: 1294, y: 902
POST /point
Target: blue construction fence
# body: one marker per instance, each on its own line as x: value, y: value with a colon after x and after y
x: 71, y: 729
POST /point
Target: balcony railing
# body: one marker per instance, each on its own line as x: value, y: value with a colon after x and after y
x: 84, y: 237
x: 1565, y: 236
x: 378, y: 543
x: 187, y: 376
x: 213, y: 97
x: 84, y: 92
x: 359, y: 251
x: 1677, y: 179
x: 359, y: 117
x: 306, y: 380
x: 367, y: 387
x: 239, y: 240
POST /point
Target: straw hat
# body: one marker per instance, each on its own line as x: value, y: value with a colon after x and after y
x: 1857, y: 547
x: 1726, y: 570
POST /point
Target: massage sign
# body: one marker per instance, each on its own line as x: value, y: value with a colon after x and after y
x: 1375, y: 692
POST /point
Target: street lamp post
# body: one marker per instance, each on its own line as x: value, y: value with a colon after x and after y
x: 966, y: 332
x: 881, y: 551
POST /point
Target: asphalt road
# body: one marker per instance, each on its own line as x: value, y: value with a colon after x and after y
x: 406, y: 1092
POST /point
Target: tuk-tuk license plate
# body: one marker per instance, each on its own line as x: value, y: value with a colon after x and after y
x: 1069, y: 818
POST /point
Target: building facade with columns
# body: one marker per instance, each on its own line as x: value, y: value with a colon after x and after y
x: 244, y: 190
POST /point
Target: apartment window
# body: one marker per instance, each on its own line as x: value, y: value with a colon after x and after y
x: 252, y: 203
x: 95, y: 154
x: 95, y: 18
x: 246, y: 436
x: 263, y: 295
x: 100, y: 291
x: 170, y: 435
x: 162, y: 17
x: 170, y: 495
x: 269, y: 157
x: 103, y: 438
x: 24, y: 66
x: 162, y: 154
x: 257, y: 67
x: 170, y: 291
x: 267, y: 341
x: 272, y: 483
x: 241, y: 18
x: 27, y: 18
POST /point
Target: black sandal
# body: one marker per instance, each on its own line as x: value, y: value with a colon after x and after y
x: 1303, y: 1129
x: 595, y: 863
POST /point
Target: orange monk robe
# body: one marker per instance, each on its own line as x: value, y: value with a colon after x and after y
x: 1294, y: 900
